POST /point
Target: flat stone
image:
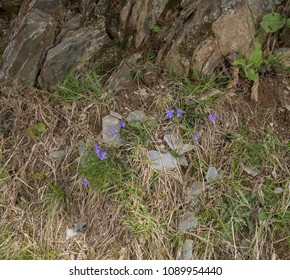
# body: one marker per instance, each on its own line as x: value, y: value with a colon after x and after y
x: 58, y: 154
x: 172, y: 141
x: 70, y: 233
x: 161, y: 161
x: 188, y: 222
x: 142, y: 92
x: 110, y: 123
x: 194, y: 190
x: 186, y: 252
x: 278, y: 190
x: 115, y: 115
x: 252, y: 171
x: 184, y: 148
x: 176, y: 144
x: 182, y: 161
x: 212, y: 174
x: 80, y: 226
x: 136, y: 116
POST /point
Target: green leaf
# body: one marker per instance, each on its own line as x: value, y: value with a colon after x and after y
x: 288, y: 23
x: 263, y: 215
x: 256, y: 58
x: 240, y: 62
x: 40, y: 127
x: 30, y: 133
x: 252, y: 75
x: 272, y: 22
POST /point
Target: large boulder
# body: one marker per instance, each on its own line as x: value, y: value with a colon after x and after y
x: 205, y: 31
x: 26, y: 50
x: 73, y: 51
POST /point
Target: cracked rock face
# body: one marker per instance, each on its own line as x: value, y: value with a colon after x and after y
x: 52, y: 37
x: 26, y: 50
x: 74, y: 50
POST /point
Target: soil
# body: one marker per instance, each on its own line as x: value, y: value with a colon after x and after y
x: 271, y: 110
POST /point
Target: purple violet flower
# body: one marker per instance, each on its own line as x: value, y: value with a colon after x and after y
x: 212, y: 117
x: 196, y: 137
x: 169, y: 114
x: 97, y: 149
x: 112, y: 132
x: 121, y: 124
x: 85, y: 181
x: 179, y: 113
x: 102, y: 155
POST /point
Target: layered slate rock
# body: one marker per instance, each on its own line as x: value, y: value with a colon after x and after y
x: 24, y: 53
x: 53, y: 37
x: 11, y: 6
x: 34, y: 33
x: 141, y: 16
x: 73, y: 51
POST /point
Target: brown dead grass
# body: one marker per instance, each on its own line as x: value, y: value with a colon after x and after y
x: 36, y: 223
x: 39, y: 223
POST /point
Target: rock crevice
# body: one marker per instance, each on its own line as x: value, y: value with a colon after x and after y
x: 52, y: 38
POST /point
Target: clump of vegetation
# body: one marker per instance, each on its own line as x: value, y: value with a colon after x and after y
x: 155, y: 28
x: 75, y: 86
x: 273, y: 22
x: 251, y: 67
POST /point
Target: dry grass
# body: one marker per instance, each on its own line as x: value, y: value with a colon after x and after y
x: 40, y: 196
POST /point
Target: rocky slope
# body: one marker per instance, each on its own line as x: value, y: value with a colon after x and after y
x: 43, y: 40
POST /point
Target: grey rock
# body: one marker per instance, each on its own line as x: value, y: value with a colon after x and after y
x: 110, y: 123
x: 188, y: 222
x: 80, y: 226
x: 184, y: 148
x: 141, y: 16
x: 161, y: 161
x: 194, y: 190
x: 252, y: 171
x: 182, y: 160
x: 142, y: 92
x: 212, y: 174
x: 48, y: 6
x: 70, y: 233
x: 83, y: 153
x: 115, y: 115
x: 186, y: 252
x: 26, y: 50
x: 58, y: 154
x: 82, y: 148
x: 172, y: 141
x: 176, y: 144
x: 278, y: 190
x: 73, y: 52
x: 136, y: 116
